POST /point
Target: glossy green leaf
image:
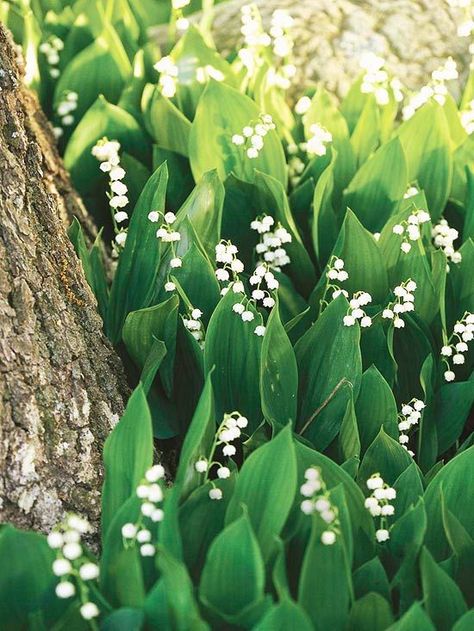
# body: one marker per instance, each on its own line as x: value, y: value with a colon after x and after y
x: 415, y: 619
x: 370, y: 613
x: 284, y: 616
x: 385, y: 456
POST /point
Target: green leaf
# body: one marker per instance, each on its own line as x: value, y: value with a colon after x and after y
x: 371, y: 577
x: 325, y: 221
x: 362, y: 259
x: 329, y: 365
x: 370, y: 613
x: 284, y: 616
x: 415, y: 619
x: 377, y: 187
x: 465, y: 622
x: 443, y: 598
x: 451, y: 410
x: 278, y: 373
x: 426, y: 142
x: 134, y: 281
x: 233, y: 577
x: 101, y: 119
x: 458, y: 496
x: 26, y: 578
x: 198, y: 441
x: 385, y: 456
x: 221, y: 113
x: 101, y: 68
x: 168, y: 127
x: 142, y: 328
x: 349, y: 442
x: 365, y: 137
x: 128, y: 453
x: 325, y: 587
x: 267, y: 485
x: 375, y: 408
x: 124, y: 619
x: 234, y: 349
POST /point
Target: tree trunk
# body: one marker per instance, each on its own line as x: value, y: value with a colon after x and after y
x: 413, y: 36
x: 62, y: 386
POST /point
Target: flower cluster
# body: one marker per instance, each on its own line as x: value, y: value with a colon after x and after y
x: 360, y: 299
x: 168, y: 76
x: 444, y: 238
x: 51, y: 49
x: 411, y: 192
x: 376, y: 80
x: 403, y: 303
x: 455, y: 347
x: 409, y: 416
x: 167, y: 234
x: 296, y: 166
x: 317, y: 501
x: 378, y: 504
x: 251, y: 138
x: 272, y: 239
x: 229, y: 431
x: 263, y: 282
x: 435, y: 89
x: 107, y: 153
x: 316, y: 144
x: 255, y: 38
x: 150, y: 493
x: 280, y: 29
x: 194, y: 325
x: 409, y: 229
x: 71, y: 565
x: 467, y: 26
x: 232, y: 266
x: 66, y: 106
x: 335, y: 273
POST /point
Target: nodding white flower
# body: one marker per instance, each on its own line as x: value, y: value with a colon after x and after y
x: 388, y: 314
x: 155, y: 473
x: 222, y: 274
x: 147, y: 550
x: 349, y: 320
x: 328, y: 537
x: 201, y: 465
x: 302, y: 105
x: 260, y: 330
x: 449, y: 375
x: 176, y: 262
x: 89, y: 571
x: 444, y: 237
x: 237, y: 266
x: 238, y: 308
x: 170, y: 286
x: 458, y: 359
x: 307, y: 489
x: 316, y: 144
x: 238, y: 287
x: 120, y: 238
x: 375, y: 482
x: 121, y: 216
x: 398, y: 323
x: 61, y: 567
x: 268, y: 302
x: 147, y: 509
x: 252, y: 153
x: 307, y: 507
x: 154, y: 216
x: 223, y: 472
x: 55, y: 540
x: 215, y: 494
x: 338, y: 264
x: 387, y: 510
x: 89, y: 610
x: 238, y: 139
x: 366, y: 321
x: 118, y: 187
x: 72, y: 536
x: 247, y: 316
x: 155, y: 493
x: 170, y: 217
x: 196, y: 314
x: 129, y: 531
x: 242, y: 422
x: 382, y: 535
x: 157, y: 515
x: 143, y: 536
x: 72, y: 551
x: 65, y: 589
x: 405, y: 247
x: 117, y: 173
x: 229, y: 450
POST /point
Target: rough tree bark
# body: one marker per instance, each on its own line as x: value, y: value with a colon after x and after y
x: 413, y: 36
x: 62, y: 386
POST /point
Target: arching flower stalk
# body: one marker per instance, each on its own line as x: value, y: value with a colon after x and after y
x: 378, y: 504
x: 318, y: 501
x: 452, y: 352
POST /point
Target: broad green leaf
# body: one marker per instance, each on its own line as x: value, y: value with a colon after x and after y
x: 458, y: 496
x: 365, y: 137
x: 451, y: 411
x: 278, y: 373
x: 465, y: 622
x: 267, y: 485
x: 101, y: 68
x: 349, y: 441
x: 124, y: 619
x: 408, y: 531
x: 134, y: 280
x: 102, y: 119
x: 372, y: 612
x: 233, y: 577
x: 378, y: 186
x: 221, y: 113
x: 234, y: 349
x: 285, y: 616
x: 415, y: 619
x: 443, y: 599
x: 168, y: 127
x: 26, y: 577
x: 426, y: 143
x: 128, y: 453
x: 329, y: 365
x: 375, y: 408
x: 371, y: 577
x: 325, y: 221
x: 325, y: 587
x: 385, y: 456
x: 198, y: 441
